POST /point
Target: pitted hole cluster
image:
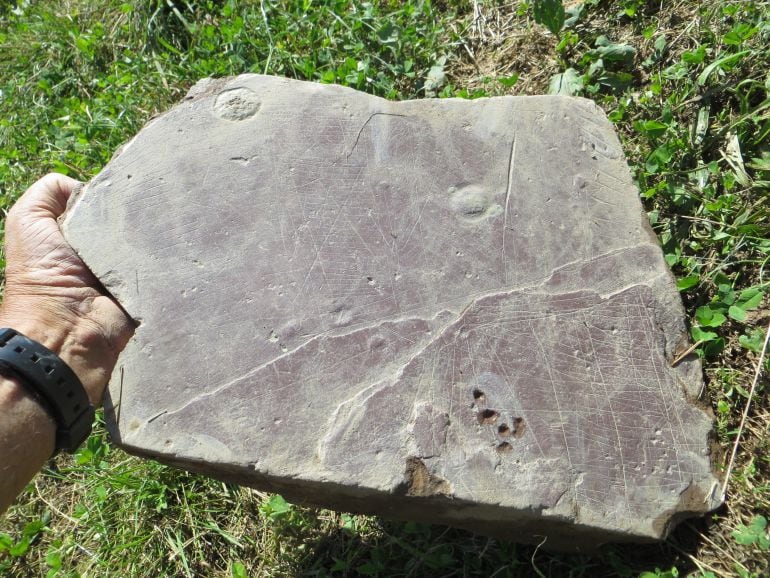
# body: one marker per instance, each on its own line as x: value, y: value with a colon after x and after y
x: 504, y: 431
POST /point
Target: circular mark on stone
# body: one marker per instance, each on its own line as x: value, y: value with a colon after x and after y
x: 478, y: 395
x: 488, y: 416
x: 236, y: 104
x: 504, y: 448
x: 472, y: 203
x: 503, y: 430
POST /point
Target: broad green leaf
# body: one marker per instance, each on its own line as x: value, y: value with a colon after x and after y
x: 686, y: 283
x: 659, y: 159
x: 20, y: 548
x: 660, y: 44
x: 614, y: 52
x: 696, y: 56
x: 33, y: 528
x: 616, y: 81
x: 717, y: 320
x: 753, y: 534
x: 348, y: 522
x: 739, y: 34
x: 699, y: 335
x: 568, y: 83
x: 723, y: 407
x: 239, y: 570
x: 651, y: 128
x: 726, y: 293
x: 737, y: 313
x: 275, y: 507
x: 707, y: 317
x: 750, y: 299
x: 508, y: 81
x: 573, y: 13
x: 753, y: 341
x: 549, y: 13
x: 53, y: 559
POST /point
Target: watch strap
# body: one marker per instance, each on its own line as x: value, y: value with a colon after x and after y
x: 53, y: 382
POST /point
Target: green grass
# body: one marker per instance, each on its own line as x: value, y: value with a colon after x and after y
x: 686, y: 84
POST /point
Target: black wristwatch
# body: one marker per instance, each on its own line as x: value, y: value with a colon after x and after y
x: 53, y: 383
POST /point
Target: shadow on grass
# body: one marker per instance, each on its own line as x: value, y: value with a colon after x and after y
x: 385, y: 548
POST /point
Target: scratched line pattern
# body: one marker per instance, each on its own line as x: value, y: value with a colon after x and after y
x: 371, y: 265
x: 587, y: 380
x: 584, y: 375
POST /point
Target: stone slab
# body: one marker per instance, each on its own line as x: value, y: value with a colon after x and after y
x: 441, y: 310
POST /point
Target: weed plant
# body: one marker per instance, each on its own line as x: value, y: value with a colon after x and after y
x: 686, y: 84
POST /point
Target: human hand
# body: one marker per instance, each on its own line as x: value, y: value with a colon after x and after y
x: 51, y: 296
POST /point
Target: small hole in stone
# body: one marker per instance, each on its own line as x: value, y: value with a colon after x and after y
x: 18, y: 349
x: 504, y: 448
x: 48, y: 369
x: 77, y: 407
x: 478, y: 395
x: 488, y: 416
x: 70, y: 394
x: 34, y: 357
x: 504, y: 430
x: 519, y: 427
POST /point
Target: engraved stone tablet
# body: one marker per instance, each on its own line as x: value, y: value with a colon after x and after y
x: 441, y: 310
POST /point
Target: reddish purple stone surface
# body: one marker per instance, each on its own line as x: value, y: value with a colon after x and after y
x: 440, y: 310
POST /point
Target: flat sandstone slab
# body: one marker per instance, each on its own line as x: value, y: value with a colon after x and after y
x: 442, y: 310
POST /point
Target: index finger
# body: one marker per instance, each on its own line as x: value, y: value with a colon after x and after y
x: 45, y: 198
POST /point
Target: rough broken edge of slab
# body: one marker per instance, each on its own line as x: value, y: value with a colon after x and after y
x: 479, y: 518
x: 415, y: 502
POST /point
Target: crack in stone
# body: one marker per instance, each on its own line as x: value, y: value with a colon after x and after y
x: 511, y: 164
x: 363, y: 126
x: 355, y: 328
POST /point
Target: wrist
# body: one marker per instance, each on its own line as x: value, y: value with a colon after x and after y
x: 77, y: 340
x: 17, y: 400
